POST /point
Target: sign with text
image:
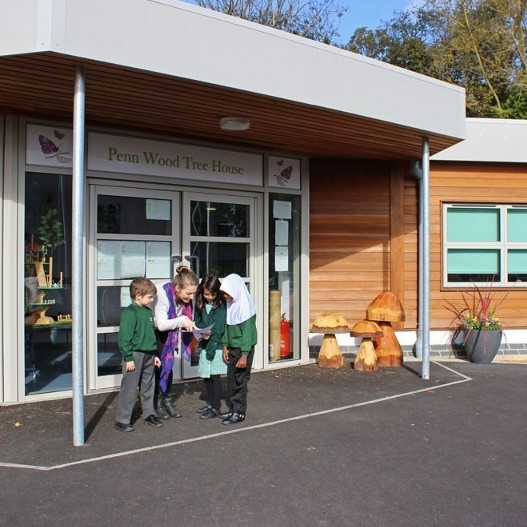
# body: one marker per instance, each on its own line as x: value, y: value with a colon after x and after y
x: 130, y: 155
x: 53, y: 147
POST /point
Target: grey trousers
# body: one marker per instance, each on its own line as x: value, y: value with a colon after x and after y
x: 142, y: 377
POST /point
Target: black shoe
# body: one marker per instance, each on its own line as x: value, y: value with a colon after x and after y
x: 225, y: 415
x: 152, y: 420
x: 123, y: 427
x: 168, y: 405
x: 209, y: 414
x: 160, y: 410
x: 234, y: 418
x: 203, y: 409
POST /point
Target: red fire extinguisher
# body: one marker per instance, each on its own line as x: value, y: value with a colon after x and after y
x: 285, y: 337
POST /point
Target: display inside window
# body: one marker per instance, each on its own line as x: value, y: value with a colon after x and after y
x: 47, y: 283
x: 284, y: 276
x: 134, y: 238
x: 126, y: 259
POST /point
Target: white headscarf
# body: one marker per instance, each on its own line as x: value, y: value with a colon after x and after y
x: 242, y: 307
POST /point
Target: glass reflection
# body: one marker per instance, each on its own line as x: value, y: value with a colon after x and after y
x: 224, y: 220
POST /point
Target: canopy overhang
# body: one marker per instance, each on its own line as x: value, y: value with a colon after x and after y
x: 171, y: 68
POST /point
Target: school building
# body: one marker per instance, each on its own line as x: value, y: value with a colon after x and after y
x: 136, y: 134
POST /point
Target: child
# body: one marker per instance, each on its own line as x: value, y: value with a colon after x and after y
x: 137, y: 342
x: 210, y: 309
x: 173, y: 311
x: 238, y: 345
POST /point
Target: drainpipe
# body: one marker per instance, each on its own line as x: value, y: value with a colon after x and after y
x: 422, y: 346
x: 77, y: 278
x: 416, y: 171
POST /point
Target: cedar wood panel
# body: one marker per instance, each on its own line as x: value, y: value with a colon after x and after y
x: 473, y: 183
x: 364, y: 238
x: 357, y: 238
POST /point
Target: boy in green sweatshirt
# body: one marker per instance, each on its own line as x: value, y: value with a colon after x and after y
x: 137, y: 342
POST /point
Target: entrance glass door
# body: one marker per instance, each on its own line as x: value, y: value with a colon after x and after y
x: 136, y: 231
x: 218, y: 238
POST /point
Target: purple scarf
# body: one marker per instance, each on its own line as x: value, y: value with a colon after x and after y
x: 171, y: 344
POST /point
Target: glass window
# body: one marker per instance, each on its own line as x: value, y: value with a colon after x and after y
x: 220, y: 237
x: 47, y: 281
x: 224, y: 220
x: 517, y: 265
x: 130, y: 215
x: 473, y: 225
x: 517, y: 225
x: 284, y: 277
x: 484, y: 244
x: 222, y: 259
x: 111, y: 300
x: 134, y: 238
x: 123, y: 259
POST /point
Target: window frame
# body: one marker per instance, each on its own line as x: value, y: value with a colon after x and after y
x: 502, y: 245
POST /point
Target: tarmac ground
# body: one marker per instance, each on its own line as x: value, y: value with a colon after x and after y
x: 319, y: 447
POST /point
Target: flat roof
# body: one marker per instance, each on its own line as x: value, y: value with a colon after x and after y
x: 186, y: 42
x: 490, y: 141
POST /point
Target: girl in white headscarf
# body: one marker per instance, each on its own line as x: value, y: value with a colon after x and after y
x: 238, y: 342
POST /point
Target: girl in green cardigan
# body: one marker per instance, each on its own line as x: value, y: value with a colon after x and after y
x: 211, y: 310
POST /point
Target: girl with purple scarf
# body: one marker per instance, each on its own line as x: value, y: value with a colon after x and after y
x: 173, y: 312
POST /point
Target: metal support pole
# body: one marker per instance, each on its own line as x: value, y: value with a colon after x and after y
x: 77, y: 278
x: 425, y: 260
x: 419, y: 337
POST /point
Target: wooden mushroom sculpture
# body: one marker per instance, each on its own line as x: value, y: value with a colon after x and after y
x: 329, y: 324
x: 366, y: 359
x: 385, y: 309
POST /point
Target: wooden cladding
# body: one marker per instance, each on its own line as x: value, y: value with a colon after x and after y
x: 473, y: 183
x: 351, y: 218
x: 364, y: 235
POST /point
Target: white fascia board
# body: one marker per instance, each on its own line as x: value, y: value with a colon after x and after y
x: 490, y: 141
x: 29, y: 26
x: 186, y: 41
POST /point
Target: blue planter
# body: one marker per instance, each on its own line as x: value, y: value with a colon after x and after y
x: 482, y: 346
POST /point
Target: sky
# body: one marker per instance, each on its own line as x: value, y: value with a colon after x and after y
x: 369, y: 13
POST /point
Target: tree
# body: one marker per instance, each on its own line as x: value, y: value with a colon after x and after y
x: 314, y: 19
x: 477, y: 44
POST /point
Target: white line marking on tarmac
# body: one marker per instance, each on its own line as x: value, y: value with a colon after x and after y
x: 240, y: 430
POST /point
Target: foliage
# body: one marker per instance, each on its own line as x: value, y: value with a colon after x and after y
x: 314, y: 19
x: 50, y: 231
x: 477, y: 311
x: 477, y: 44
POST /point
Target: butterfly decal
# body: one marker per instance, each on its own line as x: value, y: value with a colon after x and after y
x: 285, y: 174
x: 58, y: 135
x: 50, y: 149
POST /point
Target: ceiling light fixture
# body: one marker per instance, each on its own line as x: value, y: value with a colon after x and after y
x: 237, y: 124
